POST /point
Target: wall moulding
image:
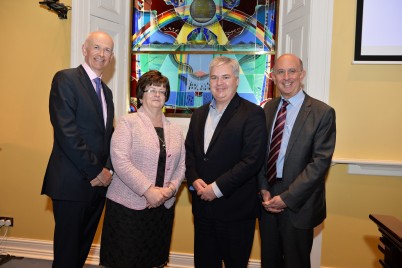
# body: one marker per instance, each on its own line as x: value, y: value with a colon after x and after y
x: 371, y: 167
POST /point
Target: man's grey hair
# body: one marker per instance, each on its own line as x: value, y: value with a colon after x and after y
x: 218, y: 61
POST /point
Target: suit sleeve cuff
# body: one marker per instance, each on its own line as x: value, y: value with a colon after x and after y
x: 216, y: 190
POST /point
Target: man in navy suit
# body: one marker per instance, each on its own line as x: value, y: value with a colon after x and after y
x: 225, y: 148
x: 294, y: 200
x: 79, y: 168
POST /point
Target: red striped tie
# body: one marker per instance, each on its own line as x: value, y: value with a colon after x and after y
x: 276, y: 143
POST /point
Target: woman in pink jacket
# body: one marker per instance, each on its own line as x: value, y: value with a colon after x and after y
x: 148, y: 154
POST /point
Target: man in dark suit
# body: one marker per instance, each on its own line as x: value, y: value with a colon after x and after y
x: 225, y: 148
x: 294, y: 196
x: 78, y: 171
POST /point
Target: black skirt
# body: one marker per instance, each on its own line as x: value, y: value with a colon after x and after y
x: 135, y: 238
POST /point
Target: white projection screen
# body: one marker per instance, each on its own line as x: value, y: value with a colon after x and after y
x: 378, y: 32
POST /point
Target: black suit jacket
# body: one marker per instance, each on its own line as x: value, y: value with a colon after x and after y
x: 307, y: 160
x: 234, y: 157
x: 81, y: 140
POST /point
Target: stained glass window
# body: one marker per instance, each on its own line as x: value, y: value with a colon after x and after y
x: 180, y: 38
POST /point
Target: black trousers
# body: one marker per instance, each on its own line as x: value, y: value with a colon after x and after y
x: 75, y: 228
x: 216, y: 241
x: 282, y: 245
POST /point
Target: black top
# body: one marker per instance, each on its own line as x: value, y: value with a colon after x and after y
x: 160, y: 174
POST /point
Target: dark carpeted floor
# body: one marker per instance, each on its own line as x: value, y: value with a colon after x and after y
x: 7, y: 261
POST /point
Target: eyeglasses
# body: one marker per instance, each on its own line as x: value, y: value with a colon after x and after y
x: 155, y: 91
x: 282, y: 72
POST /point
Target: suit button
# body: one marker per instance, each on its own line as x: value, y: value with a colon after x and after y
x: 205, y: 159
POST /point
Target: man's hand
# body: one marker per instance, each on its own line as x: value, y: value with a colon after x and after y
x: 95, y: 182
x: 207, y: 193
x: 274, y: 205
x: 103, y: 179
x: 199, y: 184
x: 266, y: 195
x: 204, y: 191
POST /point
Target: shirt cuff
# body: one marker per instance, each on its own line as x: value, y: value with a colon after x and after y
x: 216, y: 190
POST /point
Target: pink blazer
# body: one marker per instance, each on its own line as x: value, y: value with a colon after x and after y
x: 135, y: 151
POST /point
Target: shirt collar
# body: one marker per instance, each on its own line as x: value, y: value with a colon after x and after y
x: 213, y: 106
x: 296, y: 99
x: 92, y: 75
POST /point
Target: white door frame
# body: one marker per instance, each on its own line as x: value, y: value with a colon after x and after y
x: 85, y: 19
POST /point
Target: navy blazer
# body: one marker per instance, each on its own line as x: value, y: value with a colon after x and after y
x: 234, y: 157
x: 307, y: 161
x: 81, y: 141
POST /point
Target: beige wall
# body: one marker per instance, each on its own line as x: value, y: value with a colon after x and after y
x: 35, y: 44
x: 367, y: 98
x: 368, y: 102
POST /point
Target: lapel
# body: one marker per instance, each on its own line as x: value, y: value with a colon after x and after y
x: 166, y: 130
x: 200, y: 129
x: 231, y: 109
x: 151, y: 129
x: 89, y: 90
x: 270, y: 116
x: 301, y: 118
x: 109, y: 104
x: 149, y: 126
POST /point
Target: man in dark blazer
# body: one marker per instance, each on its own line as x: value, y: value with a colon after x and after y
x: 78, y: 171
x: 225, y: 148
x: 294, y: 201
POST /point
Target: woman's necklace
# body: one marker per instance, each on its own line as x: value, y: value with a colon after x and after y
x: 162, y: 141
